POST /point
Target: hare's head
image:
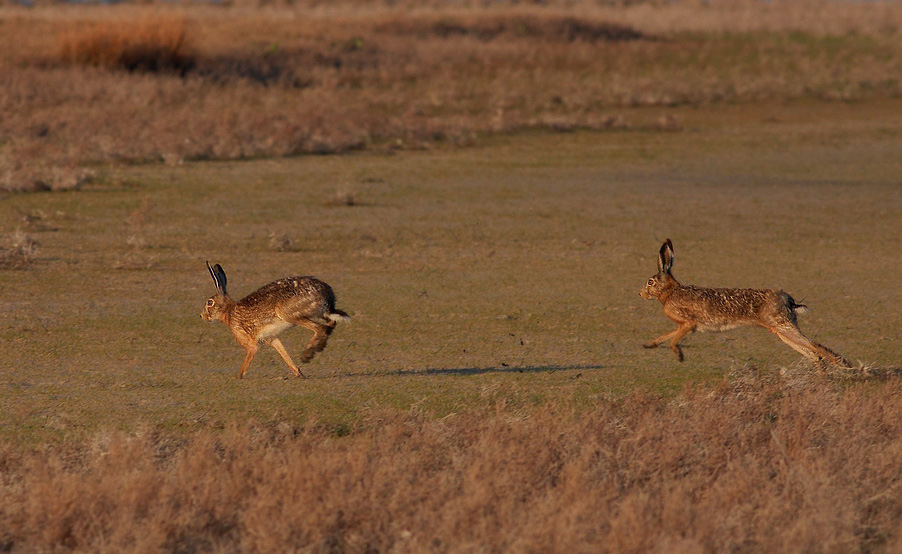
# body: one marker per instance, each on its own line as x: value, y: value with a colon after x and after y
x: 216, y: 306
x: 220, y: 303
x: 663, y: 280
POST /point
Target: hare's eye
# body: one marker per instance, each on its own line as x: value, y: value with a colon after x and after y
x: 651, y: 282
x: 210, y: 302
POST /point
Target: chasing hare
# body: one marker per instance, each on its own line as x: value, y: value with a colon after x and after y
x: 271, y: 309
x: 704, y: 309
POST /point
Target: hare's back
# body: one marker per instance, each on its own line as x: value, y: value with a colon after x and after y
x: 726, y: 307
x: 291, y: 292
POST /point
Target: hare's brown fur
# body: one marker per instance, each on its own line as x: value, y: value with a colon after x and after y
x: 708, y: 309
x: 265, y: 313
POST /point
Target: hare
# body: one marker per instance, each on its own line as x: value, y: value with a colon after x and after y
x: 271, y: 309
x: 704, y: 309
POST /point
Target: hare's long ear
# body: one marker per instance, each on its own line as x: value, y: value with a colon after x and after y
x: 665, y: 257
x: 219, y: 277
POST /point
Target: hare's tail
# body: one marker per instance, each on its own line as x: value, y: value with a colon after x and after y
x: 338, y: 316
x: 795, y: 306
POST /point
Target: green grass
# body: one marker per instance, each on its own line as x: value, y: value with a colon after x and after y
x: 504, y: 274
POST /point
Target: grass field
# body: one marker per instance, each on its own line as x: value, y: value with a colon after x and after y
x: 511, y: 270
x: 495, y: 347
x: 491, y: 393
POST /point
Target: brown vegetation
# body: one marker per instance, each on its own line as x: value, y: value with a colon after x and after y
x: 493, y: 26
x: 765, y: 463
x: 127, y: 84
x: 39, y: 174
x: 149, y: 44
x: 19, y: 251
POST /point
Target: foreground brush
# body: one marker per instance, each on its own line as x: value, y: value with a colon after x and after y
x: 266, y: 312
x: 704, y: 309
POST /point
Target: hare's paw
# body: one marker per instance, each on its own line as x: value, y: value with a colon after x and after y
x: 650, y: 344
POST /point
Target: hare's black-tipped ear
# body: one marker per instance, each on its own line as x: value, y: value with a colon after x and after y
x: 219, y: 277
x: 665, y: 257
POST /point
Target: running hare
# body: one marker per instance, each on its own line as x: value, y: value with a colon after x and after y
x: 266, y: 312
x: 703, y: 309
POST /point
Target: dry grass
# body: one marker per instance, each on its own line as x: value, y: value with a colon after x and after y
x: 19, y: 252
x: 329, y: 79
x: 39, y: 174
x: 766, y: 463
x: 514, y: 25
x: 148, y: 44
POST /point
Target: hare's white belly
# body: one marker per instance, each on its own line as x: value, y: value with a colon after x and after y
x: 715, y: 326
x: 272, y: 328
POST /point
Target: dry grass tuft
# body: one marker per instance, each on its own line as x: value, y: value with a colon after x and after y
x: 667, y: 123
x: 760, y: 464
x: 343, y: 198
x: 281, y: 242
x: 36, y: 221
x: 42, y: 178
x: 153, y: 44
x: 19, y: 252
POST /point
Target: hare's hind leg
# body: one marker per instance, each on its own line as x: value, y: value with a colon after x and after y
x: 318, y: 341
x: 792, y: 336
x: 675, y: 337
x: 280, y: 348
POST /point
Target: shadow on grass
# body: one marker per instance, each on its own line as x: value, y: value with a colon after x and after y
x: 502, y: 368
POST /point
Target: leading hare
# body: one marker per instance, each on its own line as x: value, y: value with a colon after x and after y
x: 704, y: 309
x: 271, y: 309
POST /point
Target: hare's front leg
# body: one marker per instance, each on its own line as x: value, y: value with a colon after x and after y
x: 280, y: 348
x: 251, y: 349
x: 675, y: 337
